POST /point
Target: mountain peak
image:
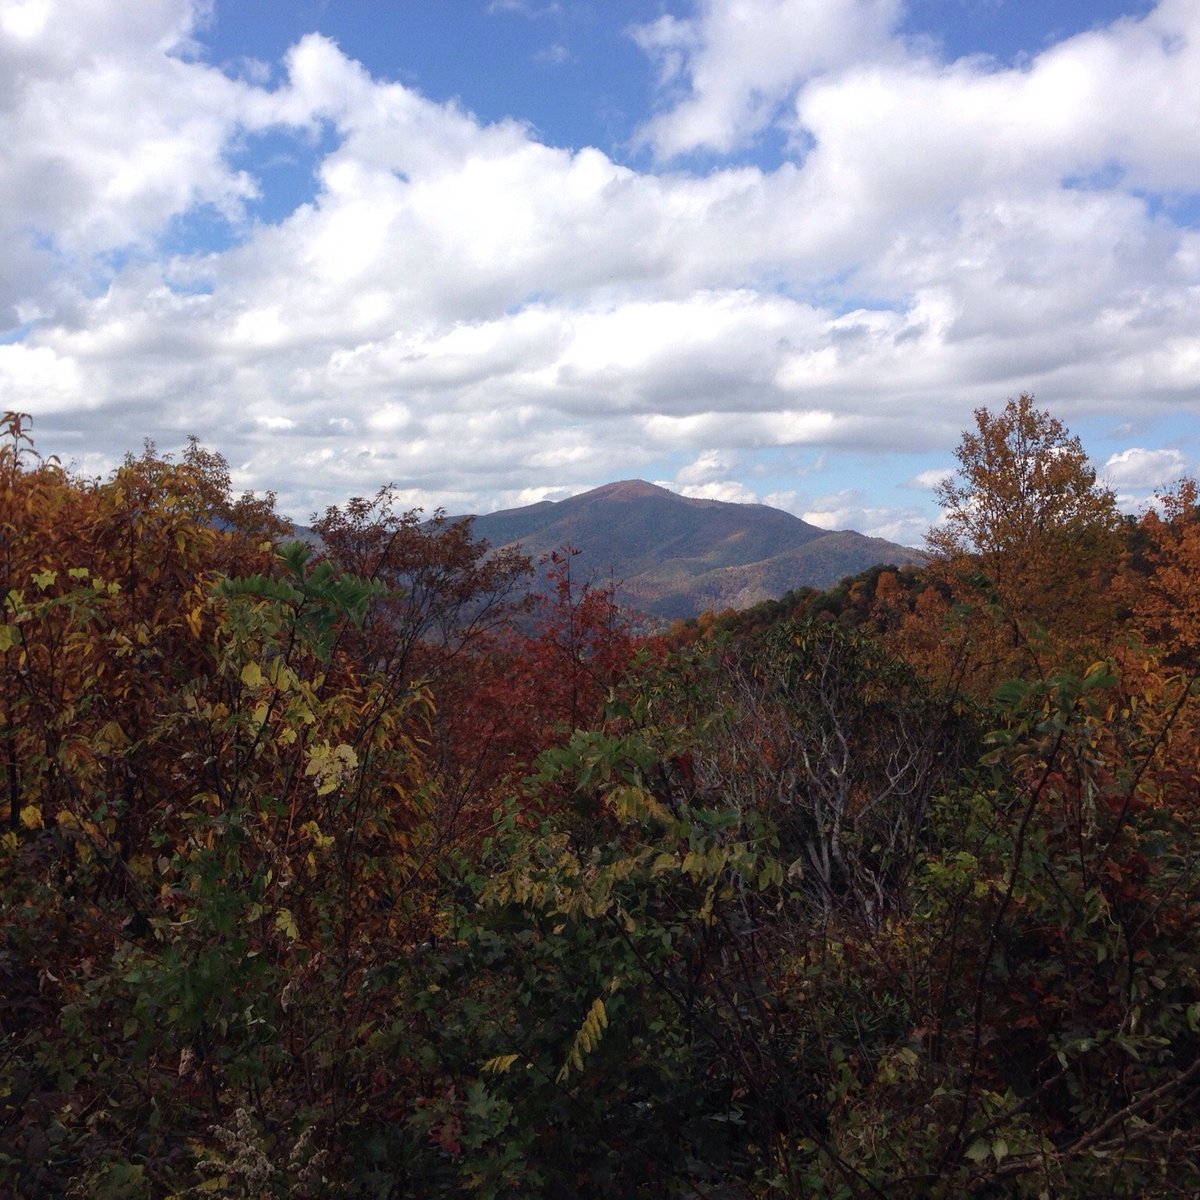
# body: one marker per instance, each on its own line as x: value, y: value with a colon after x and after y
x: 627, y: 489
x: 678, y: 555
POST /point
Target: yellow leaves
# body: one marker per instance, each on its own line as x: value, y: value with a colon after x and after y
x: 270, y: 683
x: 900, y: 1064
x: 262, y: 711
x: 195, y: 620
x: 141, y: 867
x: 664, y: 862
x: 709, y: 863
x: 330, y: 766
x: 636, y: 804
x: 321, y: 841
x: 586, y: 1040
x: 31, y: 817
x: 44, y: 579
x: 282, y: 676
x: 500, y: 1064
x: 10, y: 635
x: 207, y: 800
x: 771, y: 873
x: 286, y: 924
x: 111, y: 737
x: 218, y: 1183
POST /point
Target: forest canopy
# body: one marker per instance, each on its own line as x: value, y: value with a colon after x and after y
x: 370, y: 871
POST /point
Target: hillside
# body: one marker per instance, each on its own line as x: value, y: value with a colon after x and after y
x: 677, y: 556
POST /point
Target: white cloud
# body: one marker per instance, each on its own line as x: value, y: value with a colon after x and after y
x: 1137, y: 475
x: 524, y: 8
x: 851, y: 509
x: 533, y: 495
x: 729, y: 490
x: 108, y: 134
x: 788, y: 500
x: 705, y: 468
x: 737, y: 61
x: 931, y: 479
x: 553, y: 55
x: 36, y: 377
x: 1144, y: 470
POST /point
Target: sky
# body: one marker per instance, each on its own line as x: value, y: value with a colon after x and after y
x: 497, y: 251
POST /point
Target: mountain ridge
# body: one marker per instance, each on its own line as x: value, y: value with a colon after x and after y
x: 678, y: 555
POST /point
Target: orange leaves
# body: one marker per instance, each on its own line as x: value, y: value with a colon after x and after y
x: 1023, y: 482
x: 104, y: 603
x: 1161, y: 583
x: 1027, y: 542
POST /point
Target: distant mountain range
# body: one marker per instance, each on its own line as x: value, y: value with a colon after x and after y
x: 675, y: 556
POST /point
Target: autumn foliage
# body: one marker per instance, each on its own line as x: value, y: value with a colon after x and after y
x: 396, y: 867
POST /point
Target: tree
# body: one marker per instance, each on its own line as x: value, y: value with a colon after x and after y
x: 1023, y: 479
x: 1027, y: 531
x: 818, y: 727
x: 525, y: 688
x: 444, y: 588
x: 1160, y: 587
x: 212, y: 829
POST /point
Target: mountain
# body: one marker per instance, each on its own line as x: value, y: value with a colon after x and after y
x: 676, y: 556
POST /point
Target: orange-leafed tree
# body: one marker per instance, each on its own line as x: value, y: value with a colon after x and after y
x: 106, y: 610
x: 1162, y: 586
x: 1029, y: 540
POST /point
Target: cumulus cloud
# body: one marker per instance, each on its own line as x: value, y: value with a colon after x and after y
x: 731, y: 491
x: 704, y: 468
x: 1139, y: 468
x: 109, y: 134
x: 479, y: 317
x: 851, y: 509
x: 1137, y: 474
x: 729, y: 68
x: 931, y: 479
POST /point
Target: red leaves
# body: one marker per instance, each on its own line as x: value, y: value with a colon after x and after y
x: 526, y: 687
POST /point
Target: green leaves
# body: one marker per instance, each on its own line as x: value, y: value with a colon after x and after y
x: 315, y: 598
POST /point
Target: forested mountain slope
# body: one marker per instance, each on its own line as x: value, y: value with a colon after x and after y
x: 676, y: 556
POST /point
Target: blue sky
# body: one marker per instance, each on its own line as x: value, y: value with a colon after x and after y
x: 495, y: 252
